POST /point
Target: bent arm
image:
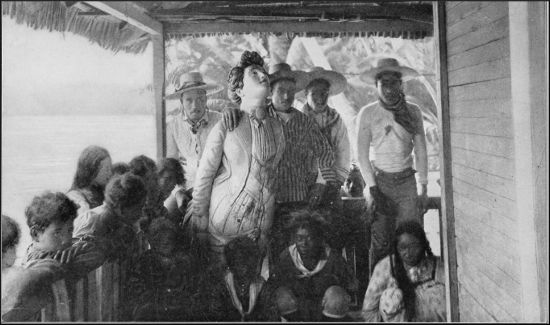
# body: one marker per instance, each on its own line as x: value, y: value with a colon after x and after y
x: 208, y: 167
x: 377, y: 284
x: 362, y: 147
x: 322, y: 151
x: 420, y: 150
x: 342, y: 153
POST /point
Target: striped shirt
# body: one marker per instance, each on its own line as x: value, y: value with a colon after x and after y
x: 306, y: 148
x: 335, y: 131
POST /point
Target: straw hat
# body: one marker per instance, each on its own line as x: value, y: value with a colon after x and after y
x: 190, y: 81
x: 283, y: 71
x: 337, y: 81
x: 388, y: 64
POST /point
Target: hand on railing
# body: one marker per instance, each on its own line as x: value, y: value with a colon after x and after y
x: 67, y: 255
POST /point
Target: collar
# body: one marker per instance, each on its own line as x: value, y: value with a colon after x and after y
x: 281, y: 116
x: 297, y: 260
x: 257, y: 122
x: 307, y: 109
x: 329, y: 116
x: 253, y: 293
x: 421, y: 272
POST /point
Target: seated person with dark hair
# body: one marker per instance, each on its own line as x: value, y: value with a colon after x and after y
x: 10, y: 237
x: 308, y: 267
x: 11, y: 234
x: 161, y: 282
x: 237, y: 293
x: 51, y: 256
x: 120, y: 168
x: 146, y: 169
x: 113, y: 224
x: 50, y: 219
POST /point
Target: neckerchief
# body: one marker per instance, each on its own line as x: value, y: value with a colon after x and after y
x: 253, y: 292
x: 195, y: 126
x: 401, y: 114
x: 331, y: 117
x: 297, y: 260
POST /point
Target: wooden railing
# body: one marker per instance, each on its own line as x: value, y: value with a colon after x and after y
x: 96, y: 297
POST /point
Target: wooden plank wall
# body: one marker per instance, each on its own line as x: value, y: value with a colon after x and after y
x: 483, y: 172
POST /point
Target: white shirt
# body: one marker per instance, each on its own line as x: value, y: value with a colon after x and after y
x: 391, y: 145
x: 187, y: 147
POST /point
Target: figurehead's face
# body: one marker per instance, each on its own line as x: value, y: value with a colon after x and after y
x: 255, y: 84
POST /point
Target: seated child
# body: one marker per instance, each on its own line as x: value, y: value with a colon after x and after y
x: 112, y: 225
x: 10, y: 237
x: 308, y: 267
x: 237, y: 293
x: 120, y: 168
x: 162, y: 280
x: 50, y: 257
x: 146, y: 169
x: 50, y: 219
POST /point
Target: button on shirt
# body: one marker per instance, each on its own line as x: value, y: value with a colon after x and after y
x: 391, y: 144
x: 186, y: 146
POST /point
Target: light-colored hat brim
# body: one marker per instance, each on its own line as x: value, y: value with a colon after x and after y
x: 406, y: 73
x: 300, y: 77
x: 337, y: 80
x: 210, y: 90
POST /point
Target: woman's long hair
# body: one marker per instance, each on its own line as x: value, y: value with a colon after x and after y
x: 89, y: 164
x: 415, y: 229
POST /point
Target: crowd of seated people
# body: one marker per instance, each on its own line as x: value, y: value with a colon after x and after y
x: 207, y: 251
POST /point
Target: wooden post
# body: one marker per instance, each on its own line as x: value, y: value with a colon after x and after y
x: 158, y: 86
x: 526, y: 89
x: 448, y: 249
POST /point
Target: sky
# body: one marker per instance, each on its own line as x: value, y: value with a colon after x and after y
x: 40, y: 58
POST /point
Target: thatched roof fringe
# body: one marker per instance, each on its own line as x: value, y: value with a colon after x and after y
x: 396, y: 34
x: 55, y: 16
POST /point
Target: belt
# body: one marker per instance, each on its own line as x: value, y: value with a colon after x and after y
x: 396, y: 175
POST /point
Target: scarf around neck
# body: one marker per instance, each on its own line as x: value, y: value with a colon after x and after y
x: 297, y: 260
x: 401, y: 114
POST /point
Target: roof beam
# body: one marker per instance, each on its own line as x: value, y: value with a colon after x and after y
x: 278, y: 27
x: 129, y: 12
x: 344, y: 10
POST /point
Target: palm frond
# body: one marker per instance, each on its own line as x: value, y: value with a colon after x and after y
x: 55, y: 16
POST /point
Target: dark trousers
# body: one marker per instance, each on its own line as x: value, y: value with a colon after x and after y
x: 400, y: 187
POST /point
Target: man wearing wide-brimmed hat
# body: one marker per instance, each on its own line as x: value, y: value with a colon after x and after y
x: 186, y: 134
x: 306, y: 148
x: 394, y: 128
x: 322, y: 84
